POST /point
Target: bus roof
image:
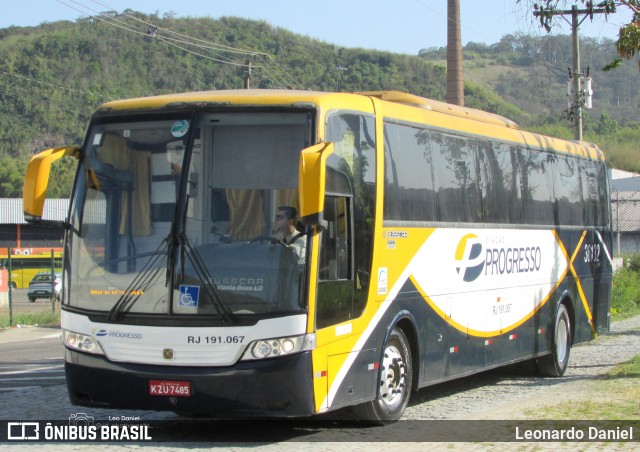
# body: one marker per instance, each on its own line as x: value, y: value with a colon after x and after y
x: 483, y: 123
x: 442, y: 107
x: 235, y: 97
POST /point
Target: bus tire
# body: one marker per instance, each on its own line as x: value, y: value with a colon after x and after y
x: 555, y: 363
x: 394, y: 382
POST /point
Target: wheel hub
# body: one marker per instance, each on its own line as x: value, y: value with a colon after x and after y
x: 392, y: 379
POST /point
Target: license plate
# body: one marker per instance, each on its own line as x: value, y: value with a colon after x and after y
x: 170, y: 388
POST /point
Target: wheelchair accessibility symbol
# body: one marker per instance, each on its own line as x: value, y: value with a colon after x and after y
x: 189, y: 296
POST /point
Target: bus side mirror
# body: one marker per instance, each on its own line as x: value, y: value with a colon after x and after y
x: 36, y: 180
x: 312, y: 181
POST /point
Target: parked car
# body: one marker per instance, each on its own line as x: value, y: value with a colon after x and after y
x: 40, y: 286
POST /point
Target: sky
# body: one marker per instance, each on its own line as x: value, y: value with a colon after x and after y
x: 400, y: 26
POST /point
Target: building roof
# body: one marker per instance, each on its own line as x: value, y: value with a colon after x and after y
x: 621, y: 174
x: 11, y: 210
x: 626, y: 184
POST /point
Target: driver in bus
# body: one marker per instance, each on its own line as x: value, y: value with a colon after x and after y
x: 286, y: 232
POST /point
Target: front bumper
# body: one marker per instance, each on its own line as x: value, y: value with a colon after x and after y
x: 281, y: 387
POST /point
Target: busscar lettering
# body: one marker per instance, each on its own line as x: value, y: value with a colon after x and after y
x: 239, y: 284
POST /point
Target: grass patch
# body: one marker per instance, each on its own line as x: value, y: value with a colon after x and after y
x: 625, y: 315
x: 614, y: 397
x: 43, y: 318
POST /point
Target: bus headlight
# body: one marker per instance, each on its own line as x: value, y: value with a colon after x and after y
x: 272, y: 348
x: 81, y: 342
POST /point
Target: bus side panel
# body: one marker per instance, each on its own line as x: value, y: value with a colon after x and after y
x: 362, y: 376
x: 359, y: 384
x: 443, y: 351
x: 589, y: 282
x: 447, y: 348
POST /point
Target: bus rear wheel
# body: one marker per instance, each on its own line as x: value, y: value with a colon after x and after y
x: 555, y: 363
x: 394, y: 384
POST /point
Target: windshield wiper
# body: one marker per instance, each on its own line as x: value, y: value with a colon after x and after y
x: 199, y: 266
x: 141, y: 282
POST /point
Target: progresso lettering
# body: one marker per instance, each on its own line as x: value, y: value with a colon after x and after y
x: 500, y: 261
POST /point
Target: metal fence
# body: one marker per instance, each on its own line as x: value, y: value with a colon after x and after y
x: 625, y: 216
x: 30, y: 280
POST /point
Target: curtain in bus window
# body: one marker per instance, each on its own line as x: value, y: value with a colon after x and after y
x: 246, y: 210
x: 537, y: 186
x: 568, y: 191
x: 409, y: 181
x: 115, y: 152
x: 456, y: 177
x: 288, y: 197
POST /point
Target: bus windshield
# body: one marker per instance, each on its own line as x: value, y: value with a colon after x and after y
x: 178, y: 215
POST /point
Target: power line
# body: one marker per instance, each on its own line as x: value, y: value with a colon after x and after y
x: 260, y: 56
x: 117, y: 23
x: 20, y: 93
x: 191, y: 41
x: 153, y: 32
x: 433, y: 10
x: 22, y: 77
x: 578, y: 97
x: 208, y: 43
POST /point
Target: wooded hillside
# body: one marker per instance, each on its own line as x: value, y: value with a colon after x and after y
x: 53, y: 76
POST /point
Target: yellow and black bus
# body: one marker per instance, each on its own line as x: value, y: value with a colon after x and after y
x: 438, y: 241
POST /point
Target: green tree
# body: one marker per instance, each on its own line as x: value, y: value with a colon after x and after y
x: 606, y: 125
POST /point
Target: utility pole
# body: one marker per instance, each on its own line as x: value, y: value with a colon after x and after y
x: 578, y: 98
x: 455, y: 77
x: 247, y: 74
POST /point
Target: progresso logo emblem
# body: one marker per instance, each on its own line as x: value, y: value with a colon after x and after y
x: 117, y: 334
x: 469, y: 258
x: 474, y: 259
